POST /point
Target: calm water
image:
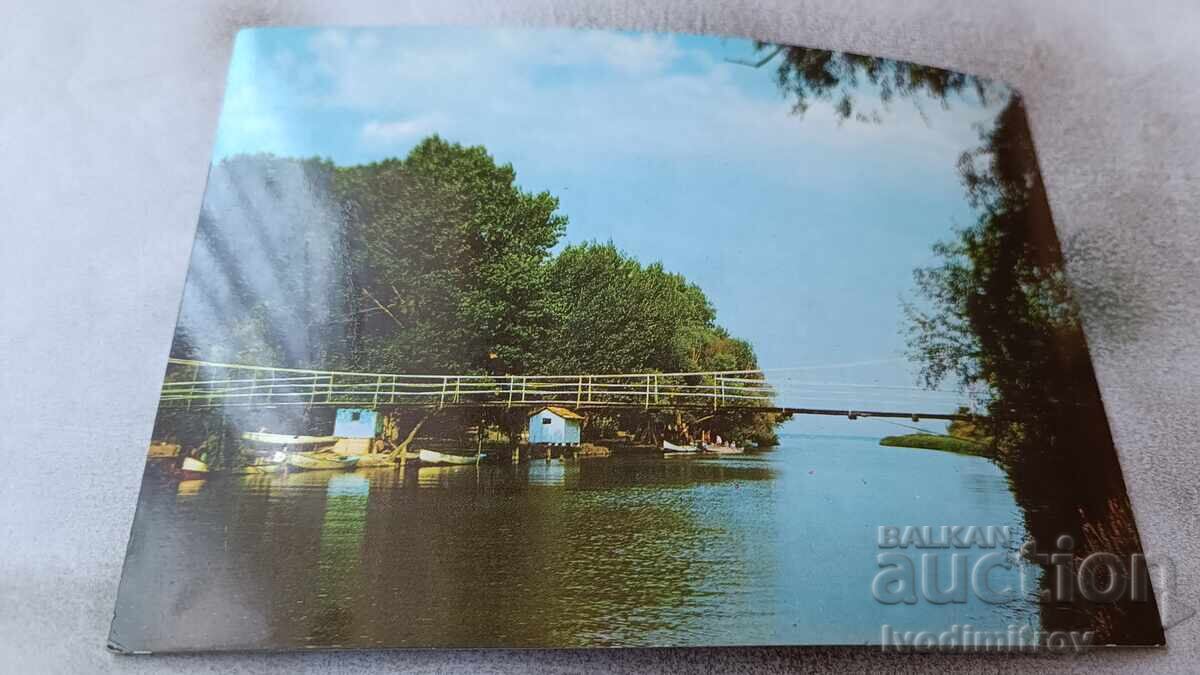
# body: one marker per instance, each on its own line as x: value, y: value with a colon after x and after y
x: 771, y: 548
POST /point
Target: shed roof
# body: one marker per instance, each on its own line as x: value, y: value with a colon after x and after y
x: 561, y: 412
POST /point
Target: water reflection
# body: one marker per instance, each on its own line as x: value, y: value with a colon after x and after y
x: 543, y: 472
x: 189, y: 488
x: 447, y: 476
x: 339, y: 564
x: 777, y: 548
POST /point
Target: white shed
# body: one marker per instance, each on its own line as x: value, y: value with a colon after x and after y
x: 554, y: 426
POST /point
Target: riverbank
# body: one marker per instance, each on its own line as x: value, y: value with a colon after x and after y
x: 958, y: 446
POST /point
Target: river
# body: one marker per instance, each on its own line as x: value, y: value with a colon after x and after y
x: 777, y: 547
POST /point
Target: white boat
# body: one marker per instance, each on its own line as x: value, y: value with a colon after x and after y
x: 672, y: 450
x: 669, y: 447
x: 434, y: 457
x: 285, y: 439
x: 193, y: 468
x: 314, y: 461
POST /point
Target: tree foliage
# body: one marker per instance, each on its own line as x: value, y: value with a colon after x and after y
x: 437, y: 262
x: 616, y: 315
x: 449, y: 261
x: 263, y: 284
x: 806, y: 75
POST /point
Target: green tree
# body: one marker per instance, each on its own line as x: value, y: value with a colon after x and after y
x: 614, y: 315
x: 449, y: 261
x: 265, y: 280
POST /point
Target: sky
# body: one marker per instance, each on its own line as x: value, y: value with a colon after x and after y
x: 804, y: 231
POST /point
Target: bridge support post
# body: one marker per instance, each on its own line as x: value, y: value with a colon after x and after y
x: 192, y: 388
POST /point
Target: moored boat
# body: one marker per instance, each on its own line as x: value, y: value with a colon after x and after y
x: 193, y: 468
x: 375, y: 459
x: 259, y: 468
x: 287, y: 439
x: 671, y: 448
x: 434, y: 457
x: 316, y: 461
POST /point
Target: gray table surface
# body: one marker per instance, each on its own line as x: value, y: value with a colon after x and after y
x: 106, y: 124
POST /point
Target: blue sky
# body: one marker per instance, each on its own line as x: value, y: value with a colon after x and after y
x: 802, y: 230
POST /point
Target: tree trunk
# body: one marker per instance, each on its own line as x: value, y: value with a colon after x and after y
x: 402, y: 446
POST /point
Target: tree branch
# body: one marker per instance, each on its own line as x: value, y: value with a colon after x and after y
x: 381, y: 306
x: 761, y: 62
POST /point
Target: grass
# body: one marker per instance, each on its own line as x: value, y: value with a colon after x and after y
x: 961, y: 446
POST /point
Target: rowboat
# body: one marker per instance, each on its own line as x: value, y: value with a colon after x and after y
x: 315, y: 461
x: 434, y: 457
x: 287, y: 439
x: 669, y: 447
x: 193, y: 468
x: 672, y: 450
x: 258, y: 469
x: 375, y: 459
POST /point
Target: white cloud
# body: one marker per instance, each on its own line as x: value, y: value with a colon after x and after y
x: 589, y: 95
x: 633, y: 54
x: 388, y: 133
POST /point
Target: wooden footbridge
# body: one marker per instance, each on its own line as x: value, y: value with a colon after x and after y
x: 200, y: 384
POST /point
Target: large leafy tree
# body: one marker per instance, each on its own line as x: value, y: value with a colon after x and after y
x: 264, y: 285
x: 449, y: 261
x: 435, y: 263
x: 617, y: 315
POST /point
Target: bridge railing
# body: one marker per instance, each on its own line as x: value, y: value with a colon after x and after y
x: 200, y: 384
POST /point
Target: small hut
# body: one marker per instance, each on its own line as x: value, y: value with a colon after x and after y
x: 553, y: 425
x: 356, y: 429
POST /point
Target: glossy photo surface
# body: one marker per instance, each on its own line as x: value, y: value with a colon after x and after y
x: 509, y: 338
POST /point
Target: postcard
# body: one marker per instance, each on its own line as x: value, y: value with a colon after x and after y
x: 557, y: 338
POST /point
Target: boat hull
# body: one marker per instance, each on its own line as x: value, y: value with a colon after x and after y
x: 433, y: 457
x: 285, y: 439
x: 304, y: 461
x: 375, y: 459
x: 671, y: 448
x: 259, y: 469
x: 193, y: 468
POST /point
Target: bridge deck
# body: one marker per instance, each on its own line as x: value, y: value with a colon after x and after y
x: 199, y: 384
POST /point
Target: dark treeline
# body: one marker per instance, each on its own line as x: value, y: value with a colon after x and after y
x: 1001, y: 318
x: 436, y: 263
